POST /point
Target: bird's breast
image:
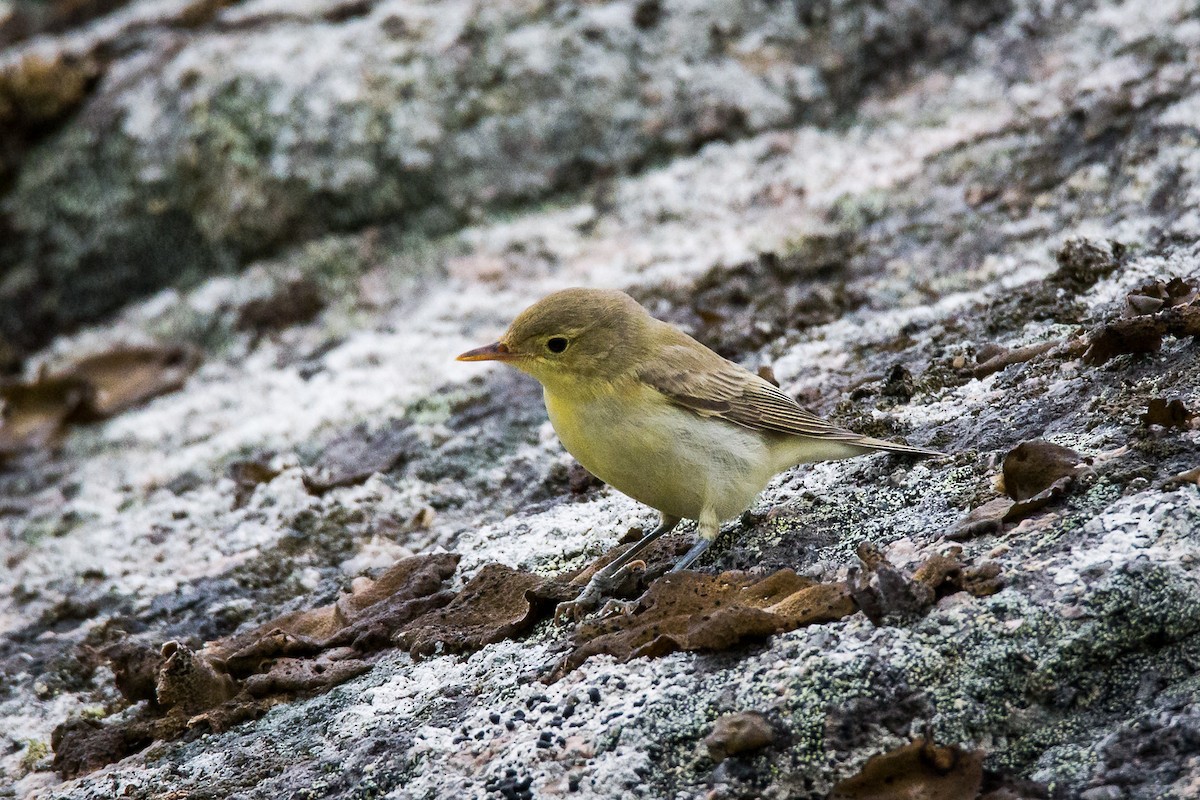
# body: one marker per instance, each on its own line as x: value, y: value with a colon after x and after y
x: 664, y: 456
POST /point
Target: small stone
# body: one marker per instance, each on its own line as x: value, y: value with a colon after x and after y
x: 738, y: 733
x: 1102, y: 793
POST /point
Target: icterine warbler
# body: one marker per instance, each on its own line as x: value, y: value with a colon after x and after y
x: 659, y: 416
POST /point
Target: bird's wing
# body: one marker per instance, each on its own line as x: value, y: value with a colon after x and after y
x: 692, y: 376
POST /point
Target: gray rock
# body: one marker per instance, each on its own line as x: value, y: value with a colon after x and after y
x: 212, y: 140
x: 1010, y: 197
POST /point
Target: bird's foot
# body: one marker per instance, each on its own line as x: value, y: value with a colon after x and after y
x: 589, y: 599
x: 619, y: 608
x: 575, y: 610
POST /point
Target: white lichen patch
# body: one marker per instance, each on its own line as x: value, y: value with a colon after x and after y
x: 557, y: 538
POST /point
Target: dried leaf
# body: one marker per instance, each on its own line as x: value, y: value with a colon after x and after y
x: 365, y: 618
x: 1188, y: 477
x: 886, y: 595
x: 1036, y: 474
x: 223, y: 717
x: 1031, y: 468
x: 191, y: 682
x: 242, y: 676
x: 1001, y: 357
x: 947, y: 573
x: 35, y: 93
x: 496, y: 604
x: 128, y: 376
x: 1144, y: 333
x: 1158, y: 294
x: 297, y: 301
x: 656, y: 561
x: 693, y: 611
x: 248, y: 475
x: 135, y: 666
x: 296, y: 675
x: 1173, y: 414
x: 917, y: 771
x: 987, y: 518
x: 34, y: 415
x: 83, y: 745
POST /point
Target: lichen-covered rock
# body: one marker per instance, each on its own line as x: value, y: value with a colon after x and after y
x: 210, y: 141
x: 1008, y: 209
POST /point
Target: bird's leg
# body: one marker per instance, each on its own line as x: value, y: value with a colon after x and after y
x: 706, y: 533
x: 606, y: 579
x: 697, y: 550
x: 611, y: 569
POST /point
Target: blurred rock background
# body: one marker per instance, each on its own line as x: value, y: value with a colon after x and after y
x: 955, y: 222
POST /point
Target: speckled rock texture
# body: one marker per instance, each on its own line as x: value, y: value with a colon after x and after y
x: 953, y: 223
x: 219, y: 132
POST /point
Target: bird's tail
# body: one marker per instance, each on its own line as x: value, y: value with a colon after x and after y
x: 793, y: 450
x: 894, y: 447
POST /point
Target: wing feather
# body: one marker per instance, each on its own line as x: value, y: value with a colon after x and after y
x: 696, y: 378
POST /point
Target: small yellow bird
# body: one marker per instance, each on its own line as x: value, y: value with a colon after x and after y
x: 657, y: 415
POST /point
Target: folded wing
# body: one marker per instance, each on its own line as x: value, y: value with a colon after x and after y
x: 694, y: 377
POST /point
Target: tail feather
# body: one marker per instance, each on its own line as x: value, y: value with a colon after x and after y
x: 788, y: 451
x: 894, y: 447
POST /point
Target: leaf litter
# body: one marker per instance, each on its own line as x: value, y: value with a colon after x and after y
x: 36, y: 414
x: 411, y: 606
x: 1036, y: 473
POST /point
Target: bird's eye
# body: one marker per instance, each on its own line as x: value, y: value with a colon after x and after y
x: 556, y: 344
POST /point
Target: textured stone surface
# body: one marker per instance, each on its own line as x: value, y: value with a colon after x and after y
x: 1013, y: 195
x: 213, y: 138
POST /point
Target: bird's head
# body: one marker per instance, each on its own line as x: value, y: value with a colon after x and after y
x: 574, y: 339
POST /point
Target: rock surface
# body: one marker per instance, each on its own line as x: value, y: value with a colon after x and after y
x: 954, y: 223
x: 219, y: 132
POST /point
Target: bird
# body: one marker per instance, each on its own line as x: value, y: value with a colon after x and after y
x: 660, y: 417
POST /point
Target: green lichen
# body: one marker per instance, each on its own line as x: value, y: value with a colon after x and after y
x: 93, y: 712
x: 1004, y: 670
x: 857, y: 210
x: 50, y: 526
x: 35, y: 751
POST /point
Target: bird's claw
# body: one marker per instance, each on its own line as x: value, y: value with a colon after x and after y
x: 575, y: 610
x: 589, y: 599
x: 614, y: 608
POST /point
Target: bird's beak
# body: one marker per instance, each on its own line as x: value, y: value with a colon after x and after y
x: 492, y: 352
